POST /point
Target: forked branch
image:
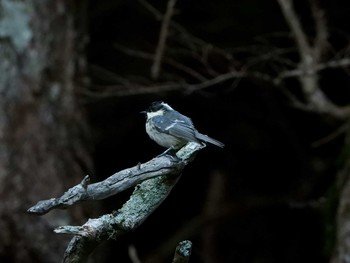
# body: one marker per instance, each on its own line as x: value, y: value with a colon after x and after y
x: 161, y: 173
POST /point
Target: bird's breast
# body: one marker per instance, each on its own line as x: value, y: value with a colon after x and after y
x: 161, y: 138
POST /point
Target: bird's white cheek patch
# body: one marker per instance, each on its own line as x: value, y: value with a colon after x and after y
x: 154, y: 114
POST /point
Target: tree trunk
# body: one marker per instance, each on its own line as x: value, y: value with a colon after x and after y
x: 42, y: 130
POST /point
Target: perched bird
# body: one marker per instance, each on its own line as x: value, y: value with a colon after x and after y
x: 171, y: 129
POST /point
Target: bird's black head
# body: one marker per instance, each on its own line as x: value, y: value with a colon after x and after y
x: 156, y: 106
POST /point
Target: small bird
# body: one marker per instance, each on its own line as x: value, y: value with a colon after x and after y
x: 171, y: 129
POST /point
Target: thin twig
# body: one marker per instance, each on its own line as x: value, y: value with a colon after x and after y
x: 155, y: 69
x: 130, y: 89
x: 136, y: 89
x: 191, y: 39
x: 339, y: 63
x: 151, y: 9
x: 108, y: 75
x: 296, y: 28
x: 330, y: 137
x: 320, y: 42
x: 169, y: 61
x: 309, y: 82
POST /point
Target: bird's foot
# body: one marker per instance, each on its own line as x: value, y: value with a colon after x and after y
x: 170, y: 152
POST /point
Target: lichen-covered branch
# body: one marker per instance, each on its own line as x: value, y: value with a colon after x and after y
x: 163, y: 173
x: 112, y: 185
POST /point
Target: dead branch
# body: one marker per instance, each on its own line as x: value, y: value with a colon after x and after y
x: 146, y: 197
x: 114, y: 184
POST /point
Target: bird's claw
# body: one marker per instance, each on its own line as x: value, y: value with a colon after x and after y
x: 170, y: 152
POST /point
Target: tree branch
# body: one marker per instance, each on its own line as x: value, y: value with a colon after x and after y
x: 309, y: 82
x: 310, y: 55
x: 148, y: 56
x: 114, y: 184
x: 320, y: 42
x: 296, y: 28
x: 338, y: 63
x: 184, y: 33
x: 155, y: 69
x: 146, y: 197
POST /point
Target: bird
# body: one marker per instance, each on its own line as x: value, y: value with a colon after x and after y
x: 171, y: 129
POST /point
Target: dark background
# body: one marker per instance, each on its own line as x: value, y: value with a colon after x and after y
x: 265, y: 196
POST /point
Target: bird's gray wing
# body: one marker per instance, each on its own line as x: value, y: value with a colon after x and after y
x: 177, y: 128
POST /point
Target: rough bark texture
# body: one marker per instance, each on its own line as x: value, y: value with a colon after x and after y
x: 41, y: 126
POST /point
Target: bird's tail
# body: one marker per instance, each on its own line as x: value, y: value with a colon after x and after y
x: 206, y: 138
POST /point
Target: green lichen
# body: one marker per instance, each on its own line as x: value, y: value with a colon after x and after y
x: 184, y: 248
x: 148, y: 195
x: 144, y: 200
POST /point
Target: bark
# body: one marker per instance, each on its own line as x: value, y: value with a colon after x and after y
x: 157, y: 176
x: 42, y: 145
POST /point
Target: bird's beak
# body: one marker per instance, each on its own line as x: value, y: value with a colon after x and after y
x: 143, y: 112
